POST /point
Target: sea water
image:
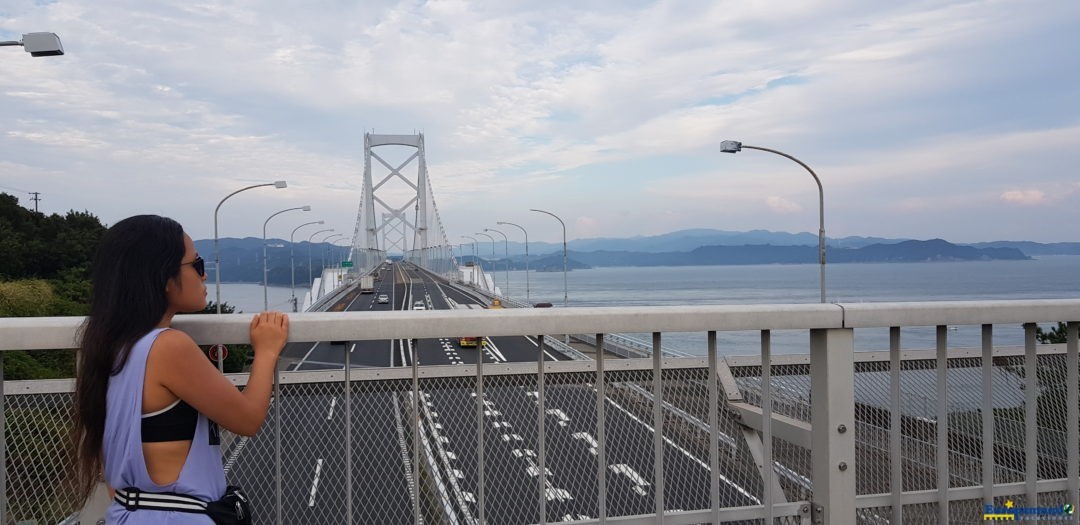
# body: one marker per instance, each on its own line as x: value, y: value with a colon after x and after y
x: 1046, y: 277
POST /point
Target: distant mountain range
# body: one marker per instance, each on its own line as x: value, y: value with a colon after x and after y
x: 241, y: 259
x: 687, y: 240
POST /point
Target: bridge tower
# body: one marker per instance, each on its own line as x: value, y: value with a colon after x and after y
x: 396, y: 182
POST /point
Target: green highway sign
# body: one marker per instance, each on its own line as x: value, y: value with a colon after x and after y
x: 346, y: 264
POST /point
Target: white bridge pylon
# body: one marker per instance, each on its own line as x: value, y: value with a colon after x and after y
x: 394, y: 201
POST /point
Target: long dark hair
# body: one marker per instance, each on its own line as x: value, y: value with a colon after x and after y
x: 136, y: 258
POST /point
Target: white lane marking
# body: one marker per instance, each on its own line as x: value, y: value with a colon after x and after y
x: 353, y: 348
x: 589, y: 440
x: 686, y: 453
x: 635, y: 478
x: 494, y: 352
x: 333, y: 403
x: 536, y: 344
x: 560, y: 415
x: 308, y: 354
x: 315, y: 483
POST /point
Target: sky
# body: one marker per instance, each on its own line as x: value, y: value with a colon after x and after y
x: 923, y: 119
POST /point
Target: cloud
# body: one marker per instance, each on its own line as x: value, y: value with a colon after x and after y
x: 782, y: 205
x: 1024, y: 197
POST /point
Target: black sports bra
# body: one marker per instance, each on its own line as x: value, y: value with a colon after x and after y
x: 175, y: 422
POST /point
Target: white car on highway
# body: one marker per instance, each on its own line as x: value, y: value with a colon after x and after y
x: 382, y: 299
x: 419, y: 305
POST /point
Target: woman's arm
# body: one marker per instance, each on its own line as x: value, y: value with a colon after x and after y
x: 185, y: 371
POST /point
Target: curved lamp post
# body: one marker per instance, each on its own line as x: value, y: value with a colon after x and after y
x: 322, y: 272
x: 506, y: 253
x: 325, y: 248
x: 309, y: 277
x: 492, y: 256
x: 528, y: 298
x: 266, y: 303
x: 564, y: 301
x: 38, y: 44
x: 292, y: 259
x: 734, y: 146
x: 217, y: 258
x: 476, y: 259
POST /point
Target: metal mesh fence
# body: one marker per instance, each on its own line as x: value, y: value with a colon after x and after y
x: 38, y: 455
x: 317, y: 449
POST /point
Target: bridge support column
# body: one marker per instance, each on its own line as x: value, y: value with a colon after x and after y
x: 832, y: 416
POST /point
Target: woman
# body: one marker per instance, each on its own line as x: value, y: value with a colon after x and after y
x: 147, y: 400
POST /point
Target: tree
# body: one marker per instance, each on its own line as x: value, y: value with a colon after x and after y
x: 1056, y: 335
x: 238, y: 354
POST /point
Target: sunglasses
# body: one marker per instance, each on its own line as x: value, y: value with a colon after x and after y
x: 199, y: 265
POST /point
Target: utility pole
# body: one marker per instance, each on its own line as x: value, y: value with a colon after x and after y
x: 36, y: 198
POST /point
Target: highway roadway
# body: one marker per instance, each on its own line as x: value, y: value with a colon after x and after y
x: 313, y: 434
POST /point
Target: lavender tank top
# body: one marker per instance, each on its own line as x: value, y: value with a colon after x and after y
x: 201, y: 476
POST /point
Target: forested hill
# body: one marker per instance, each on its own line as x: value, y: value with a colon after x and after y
x: 934, y: 250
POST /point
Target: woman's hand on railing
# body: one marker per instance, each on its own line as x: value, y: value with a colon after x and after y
x: 269, y: 331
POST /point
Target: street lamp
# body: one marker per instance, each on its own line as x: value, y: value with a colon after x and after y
x: 217, y: 257
x: 492, y: 256
x: 472, y: 277
x: 266, y: 303
x: 292, y: 259
x: 506, y: 253
x: 528, y: 298
x: 38, y: 44
x: 325, y: 248
x: 734, y: 146
x: 563, y: 251
x: 309, y: 278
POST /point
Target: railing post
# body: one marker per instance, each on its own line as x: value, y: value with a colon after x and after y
x: 714, y: 429
x: 1031, y: 429
x: 348, y: 436
x: 480, y: 432
x: 277, y: 447
x: 941, y: 464
x: 896, y: 436
x: 767, y: 471
x: 3, y: 446
x: 1072, y: 418
x: 988, y: 413
x: 658, y: 430
x: 417, y: 520
x: 601, y: 447
x: 540, y: 438
x: 832, y: 417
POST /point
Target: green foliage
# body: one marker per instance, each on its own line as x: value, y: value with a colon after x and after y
x: 1056, y: 335
x: 35, y: 298
x: 30, y: 298
x: 38, y: 448
x: 239, y: 355
x: 45, y: 271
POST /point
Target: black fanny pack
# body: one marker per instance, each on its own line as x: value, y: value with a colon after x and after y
x: 232, y: 509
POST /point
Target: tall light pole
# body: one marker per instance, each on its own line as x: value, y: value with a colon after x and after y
x: 322, y: 272
x: 217, y: 257
x: 309, y: 277
x: 266, y: 271
x: 325, y: 248
x: 292, y: 259
x: 564, y: 296
x: 38, y: 44
x: 528, y: 298
x: 492, y: 256
x: 475, y: 281
x: 506, y: 254
x: 734, y: 146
